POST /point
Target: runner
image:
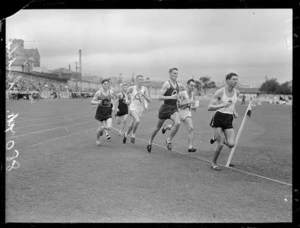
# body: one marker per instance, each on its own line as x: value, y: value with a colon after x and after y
x: 104, y: 99
x: 138, y: 95
x: 122, y: 111
x: 223, y: 102
x: 168, y: 110
x: 186, y: 103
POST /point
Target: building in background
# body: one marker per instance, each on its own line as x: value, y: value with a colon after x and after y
x: 25, y: 59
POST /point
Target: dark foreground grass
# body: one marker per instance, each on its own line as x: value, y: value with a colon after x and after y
x: 64, y: 177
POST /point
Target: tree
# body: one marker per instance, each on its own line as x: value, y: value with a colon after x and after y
x: 270, y: 86
x: 285, y: 88
x: 132, y: 79
x: 207, y: 83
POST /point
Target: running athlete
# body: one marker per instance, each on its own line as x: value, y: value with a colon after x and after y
x: 186, y: 103
x: 122, y: 111
x: 223, y: 102
x: 138, y: 95
x: 168, y: 110
x: 104, y: 99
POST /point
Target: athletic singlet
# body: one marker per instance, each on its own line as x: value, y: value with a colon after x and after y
x: 225, y: 99
x: 137, y: 99
x: 171, y: 91
x: 106, y: 100
x: 122, y: 103
x: 186, y: 102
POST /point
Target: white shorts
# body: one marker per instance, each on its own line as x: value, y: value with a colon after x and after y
x: 138, y: 109
x: 183, y: 114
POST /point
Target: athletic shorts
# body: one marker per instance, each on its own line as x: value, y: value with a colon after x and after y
x: 136, y: 108
x: 120, y: 114
x: 165, y: 111
x: 183, y: 114
x: 103, y: 113
x: 123, y: 110
x: 222, y: 120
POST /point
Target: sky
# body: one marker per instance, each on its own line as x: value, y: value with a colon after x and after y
x: 253, y: 43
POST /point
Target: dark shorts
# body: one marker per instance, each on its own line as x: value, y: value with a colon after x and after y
x: 103, y: 113
x: 165, y: 111
x: 122, y: 112
x: 222, y: 120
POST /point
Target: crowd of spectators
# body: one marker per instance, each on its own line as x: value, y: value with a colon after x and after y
x: 24, y: 87
x: 21, y: 87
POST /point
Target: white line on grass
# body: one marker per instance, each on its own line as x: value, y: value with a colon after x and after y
x: 252, y: 174
x: 10, y: 137
x: 51, y: 122
x: 48, y: 116
x: 57, y: 138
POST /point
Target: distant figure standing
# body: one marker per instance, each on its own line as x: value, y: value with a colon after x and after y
x: 223, y: 102
x: 168, y: 110
x: 243, y: 99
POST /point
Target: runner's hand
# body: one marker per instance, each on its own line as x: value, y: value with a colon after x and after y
x: 175, y: 96
x: 228, y: 104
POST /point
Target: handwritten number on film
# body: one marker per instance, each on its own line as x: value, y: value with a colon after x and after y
x: 10, y: 144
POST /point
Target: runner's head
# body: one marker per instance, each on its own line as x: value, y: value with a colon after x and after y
x: 139, y: 79
x: 232, y: 79
x: 105, y: 84
x: 173, y: 73
x: 124, y: 87
x: 190, y: 85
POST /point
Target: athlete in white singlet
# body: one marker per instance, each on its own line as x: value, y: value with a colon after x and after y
x: 138, y: 95
x: 223, y: 103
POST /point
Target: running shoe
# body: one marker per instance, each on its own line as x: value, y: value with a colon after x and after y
x: 132, y: 139
x: 192, y: 150
x: 212, y: 140
x: 149, y: 147
x: 124, y: 139
x: 215, y: 167
x: 169, y: 145
x: 108, y: 137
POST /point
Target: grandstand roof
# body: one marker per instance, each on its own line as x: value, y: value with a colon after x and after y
x: 19, y: 62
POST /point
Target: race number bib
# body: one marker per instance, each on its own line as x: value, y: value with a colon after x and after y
x: 137, y: 97
x: 105, y: 103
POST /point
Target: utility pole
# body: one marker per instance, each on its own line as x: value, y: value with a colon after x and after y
x: 80, y: 65
x: 76, y: 77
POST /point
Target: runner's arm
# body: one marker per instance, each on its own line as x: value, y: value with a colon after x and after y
x: 95, y: 100
x: 129, y: 92
x: 213, y: 105
x: 164, y: 88
x: 146, y: 95
x: 116, y: 104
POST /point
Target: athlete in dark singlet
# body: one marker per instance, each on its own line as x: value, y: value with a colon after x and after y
x: 122, y: 110
x: 104, y: 99
x: 168, y: 110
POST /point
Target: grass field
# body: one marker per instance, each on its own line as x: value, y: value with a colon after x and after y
x: 64, y: 177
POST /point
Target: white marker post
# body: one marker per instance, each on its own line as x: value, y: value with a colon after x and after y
x: 248, y: 112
